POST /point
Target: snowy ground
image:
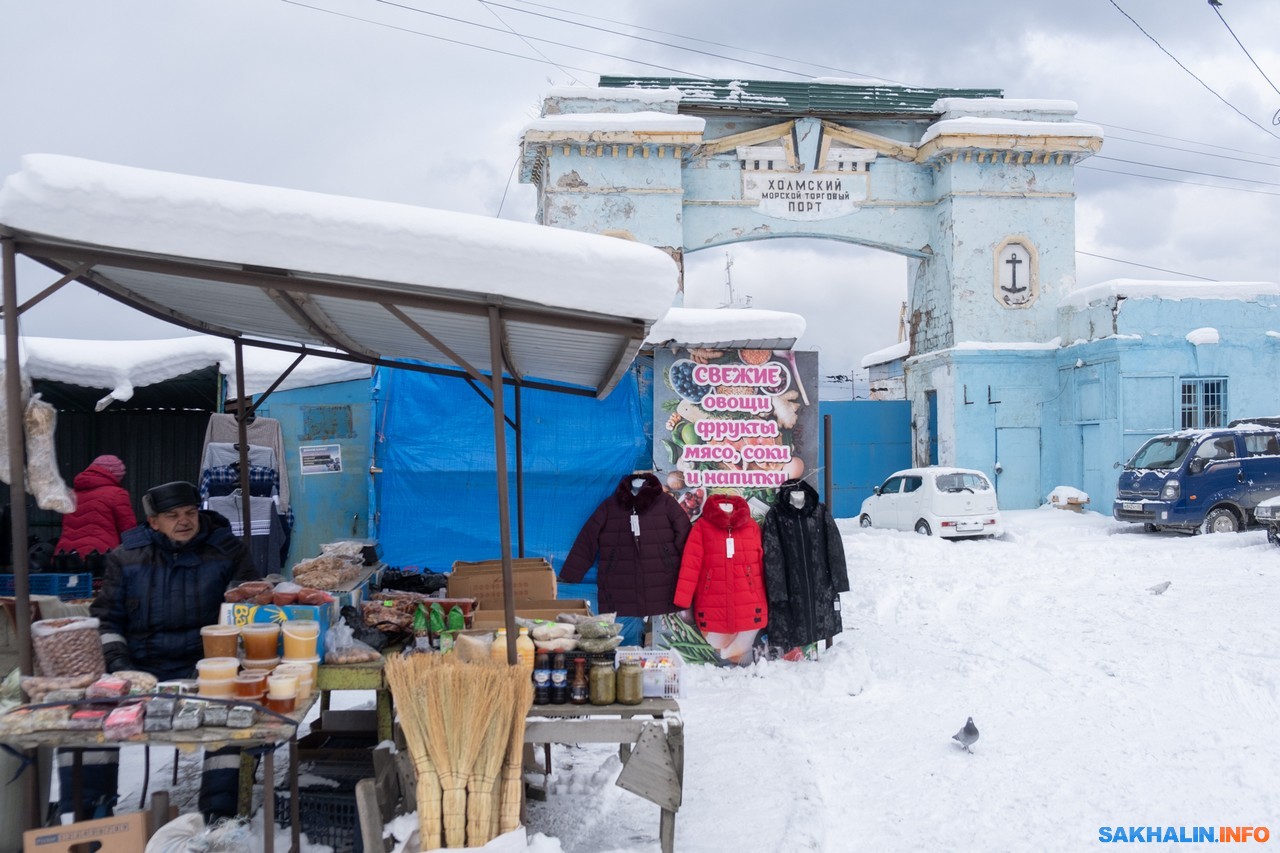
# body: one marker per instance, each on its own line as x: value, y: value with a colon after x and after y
x: 1099, y: 703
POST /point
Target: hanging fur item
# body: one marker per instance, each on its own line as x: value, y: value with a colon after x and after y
x: 43, y: 479
x: 4, y: 422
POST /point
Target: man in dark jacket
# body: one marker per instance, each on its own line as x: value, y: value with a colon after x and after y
x: 160, y: 587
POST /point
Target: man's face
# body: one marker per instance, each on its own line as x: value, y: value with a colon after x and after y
x: 180, y: 524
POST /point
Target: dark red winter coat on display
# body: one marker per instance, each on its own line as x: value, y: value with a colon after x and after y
x: 103, y: 512
x: 637, y: 574
x: 723, y: 583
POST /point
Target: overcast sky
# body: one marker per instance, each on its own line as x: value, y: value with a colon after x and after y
x: 383, y: 100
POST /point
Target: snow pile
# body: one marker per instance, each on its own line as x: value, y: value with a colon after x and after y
x: 710, y: 326
x: 176, y: 215
x: 1129, y: 288
x: 1203, y: 335
x: 123, y: 366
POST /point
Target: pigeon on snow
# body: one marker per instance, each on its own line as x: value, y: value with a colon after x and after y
x: 967, y: 736
x: 1159, y: 588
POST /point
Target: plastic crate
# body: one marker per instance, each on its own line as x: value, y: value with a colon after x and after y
x: 65, y: 586
x: 328, y: 816
x: 662, y: 670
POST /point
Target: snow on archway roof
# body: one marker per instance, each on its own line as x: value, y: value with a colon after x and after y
x: 1131, y: 288
x: 122, y: 366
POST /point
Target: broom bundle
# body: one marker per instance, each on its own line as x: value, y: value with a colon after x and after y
x: 457, y: 721
x: 512, y: 768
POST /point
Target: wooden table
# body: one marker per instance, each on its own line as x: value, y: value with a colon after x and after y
x: 652, y: 750
x: 268, y: 731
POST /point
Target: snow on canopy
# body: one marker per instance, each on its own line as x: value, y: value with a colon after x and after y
x: 993, y: 126
x: 186, y: 216
x: 123, y: 366
x: 711, y: 326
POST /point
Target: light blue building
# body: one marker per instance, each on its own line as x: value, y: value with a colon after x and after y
x: 1009, y: 368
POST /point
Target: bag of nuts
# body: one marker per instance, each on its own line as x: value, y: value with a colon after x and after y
x: 67, y: 646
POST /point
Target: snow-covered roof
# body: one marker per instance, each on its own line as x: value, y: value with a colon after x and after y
x: 890, y: 353
x: 992, y: 126
x: 651, y: 122
x: 1002, y: 107
x: 380, y: 280
x: 122, y: 366
x: 1131, y: 288
x: 752, y: 328
x: 634, y: 93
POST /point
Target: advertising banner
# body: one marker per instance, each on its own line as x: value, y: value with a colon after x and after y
x: 732, y: 421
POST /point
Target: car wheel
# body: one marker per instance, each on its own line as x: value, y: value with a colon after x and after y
x: 922, y: 527
x: 1273, y: 536
x: 865, y: 521
x: 1151, y: 528
x: 1221, y: 520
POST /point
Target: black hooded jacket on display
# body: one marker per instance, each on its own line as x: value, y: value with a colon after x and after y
x: 804, y: 569
x: 638, y: 565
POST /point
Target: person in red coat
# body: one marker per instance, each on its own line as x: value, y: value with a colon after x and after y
x: 722, y: 577
x: 103, y: 510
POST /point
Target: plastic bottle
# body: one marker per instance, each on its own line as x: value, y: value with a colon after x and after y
x: 579, y: 689
x: 542, y: 679
x: 498, y: 652
x: 526, y: 652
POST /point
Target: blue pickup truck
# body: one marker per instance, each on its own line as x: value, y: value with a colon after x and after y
x: 1207, y: 480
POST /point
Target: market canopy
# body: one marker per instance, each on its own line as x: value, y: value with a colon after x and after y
x: 368, y: 280
x: 375, y: 280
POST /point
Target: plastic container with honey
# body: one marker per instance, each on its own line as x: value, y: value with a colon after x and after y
x: 217, y: 669
x: 220, y: 641
x: 251, y: 685
x: 221, y: 688
x: 261, y: 640
x: 300, y: 638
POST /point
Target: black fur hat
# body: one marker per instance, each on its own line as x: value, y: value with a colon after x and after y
x: 168, y: 496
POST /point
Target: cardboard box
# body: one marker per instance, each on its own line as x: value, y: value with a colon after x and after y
x: 532, y: 578
x: 548, y: 609
x: 120, y: 834
x: 243, y: 614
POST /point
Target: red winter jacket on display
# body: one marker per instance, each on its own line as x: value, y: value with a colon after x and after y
x: 724, y: 583
x: 103, y: 512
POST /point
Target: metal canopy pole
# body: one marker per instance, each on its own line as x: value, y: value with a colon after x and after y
x: 519, y: 474
x: 242, y: 444
x: 500, y: 463
x: 17, y: 461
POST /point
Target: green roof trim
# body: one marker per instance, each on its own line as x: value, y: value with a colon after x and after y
x: 798, y: 98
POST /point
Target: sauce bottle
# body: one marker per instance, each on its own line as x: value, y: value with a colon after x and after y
x: 559, y: 680
x: 542, y: 679
x: 579, y: 690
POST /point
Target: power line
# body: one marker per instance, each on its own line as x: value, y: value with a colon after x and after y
x: 1217, y: 11
x: 1187, y: 171
x: 535, y: 38
x: 429, y: 35
x: 704, y: 41
x: 1144, y: 266
x: 485, y: 6
x: 1193, y: 151
x: 1175, y: 180
x: 1180, y: 139
x: 1189, y: 71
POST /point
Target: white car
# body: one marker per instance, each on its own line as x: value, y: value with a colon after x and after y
x: 935, y: 501
x: 1268, y: 513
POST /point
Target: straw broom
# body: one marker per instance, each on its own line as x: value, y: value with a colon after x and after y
x: 482, y: 787
x: 459, y: 710
x: 405, y: 685
x: 512, y: 769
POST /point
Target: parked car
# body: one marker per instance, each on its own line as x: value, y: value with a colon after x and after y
x: 1200, y: 480
x: 1268, y: 512
x: 935, y: 501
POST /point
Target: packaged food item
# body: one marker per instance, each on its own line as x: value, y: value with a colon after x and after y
x: 123, y: 722
x: 598, y: 630
x: 38, y: 687
x: 599, y: 645
x: 53, y: 718
x: 67, y: 646
x: 560, y: 644
x: 241, y: 716
x: 107, y: 687
x: 63, y: 696
x: 139, y: 682
x: 188, y: 714
x: 87, y: 719
x: 215, y: 714
x: 159, y: 714
x: 550, y: 631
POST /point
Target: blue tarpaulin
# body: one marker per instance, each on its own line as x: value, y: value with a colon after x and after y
x: 436, y: 499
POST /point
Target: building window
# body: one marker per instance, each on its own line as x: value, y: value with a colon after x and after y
x: 1204, y: 403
